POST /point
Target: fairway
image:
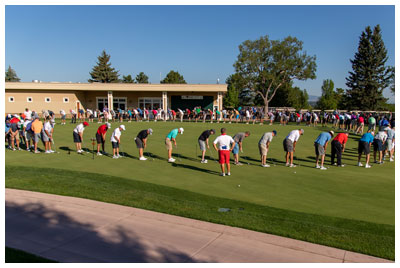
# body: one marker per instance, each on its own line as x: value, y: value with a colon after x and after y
x: 351, y: 192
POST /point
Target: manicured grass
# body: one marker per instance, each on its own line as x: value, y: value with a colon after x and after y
x: 354, y: 197
x: 19, y: 256
x: 369, y: 238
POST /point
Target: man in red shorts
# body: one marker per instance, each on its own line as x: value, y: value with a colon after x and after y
x: 225, y: 143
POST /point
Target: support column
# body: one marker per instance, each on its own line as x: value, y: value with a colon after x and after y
x: 165, y: 104
x: 110, y: 100
x: 220, y: 101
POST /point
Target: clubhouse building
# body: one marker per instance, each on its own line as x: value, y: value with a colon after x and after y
x: 38, y: 96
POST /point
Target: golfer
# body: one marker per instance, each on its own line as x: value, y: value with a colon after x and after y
x: 224, y: 141
x: 78, y: 136
x: 337, y: 148
x: 36, y: 127
x: 263, y: 146
x: 141, y: 141
x: 171, y: 137
x: 203, y: 142
x: 238, y: 138
x: 389, y: 145
x: 101, y: 137
x: 320, y: 144
x: 379, y: 141
x: 116, y: 140
x: 364, y: 146
x: 47, y: 136
x: 289, y: 145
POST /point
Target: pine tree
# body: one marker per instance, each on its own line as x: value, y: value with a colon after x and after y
x: 141, y: 78
x: 370, y: 76
x: 11, y: 75
x: 127, y: 79
x: 103, y: 72
x: 173, y: 78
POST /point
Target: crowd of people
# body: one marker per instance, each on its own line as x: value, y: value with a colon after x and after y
x: 28, y: 130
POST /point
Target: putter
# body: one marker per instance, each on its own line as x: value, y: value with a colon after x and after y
x: 55, y: 149
x: 120, y: 150
x: 212, y: 155
x: 179, y: 157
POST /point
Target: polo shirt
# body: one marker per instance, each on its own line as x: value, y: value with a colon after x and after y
x: 102, y: 129
x: 142, y: 134
x: 205, y: 135
x: 294, y: 135
x: 381, y: 135
x: 172, y: 134
x: 367, y: 137
x: 341, y: 138
x: 116, y: 134
x: 323, y: 138
x: 267, y: 137
x: 224, y: 141
x: 37, y: 126
x: 239, y: 137
x: 79, y: 128
x: 391, y: 134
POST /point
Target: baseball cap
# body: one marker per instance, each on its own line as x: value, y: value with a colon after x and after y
x: 274, y: 131
x: 108, y: 125
x: 332, y: 133
x: 122, y: 126
x: 85, y: 124
x: 150, y: 131
x: 181, y: 130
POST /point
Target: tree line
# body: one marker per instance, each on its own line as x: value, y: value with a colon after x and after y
x: 266, y: 69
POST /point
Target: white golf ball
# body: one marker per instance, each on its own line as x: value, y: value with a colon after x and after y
x: 295, y: 172
x: 239, y: 185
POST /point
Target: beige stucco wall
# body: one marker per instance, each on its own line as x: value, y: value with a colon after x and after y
x: 38, y: 101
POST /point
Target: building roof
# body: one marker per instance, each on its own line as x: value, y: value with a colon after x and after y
x: 116, y: 87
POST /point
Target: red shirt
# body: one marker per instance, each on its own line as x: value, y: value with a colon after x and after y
x: 361, y: 119
x: 341, y: 137
x: 102, y: 129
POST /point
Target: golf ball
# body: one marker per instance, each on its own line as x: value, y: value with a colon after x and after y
x: 295, y: 172
x: 239, y: 185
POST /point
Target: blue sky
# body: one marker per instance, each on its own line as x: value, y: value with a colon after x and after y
x: 61, y: 43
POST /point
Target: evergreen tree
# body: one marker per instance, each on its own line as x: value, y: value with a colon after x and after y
x: 141, y: 78
x: 103, y: 72
x: 173, y: 78
x: 11, y: 75
x: 370, y: 76
x: 127, y: 79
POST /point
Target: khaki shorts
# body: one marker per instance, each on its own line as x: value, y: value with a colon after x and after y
x: 168, y: 144
x: 263, y: 149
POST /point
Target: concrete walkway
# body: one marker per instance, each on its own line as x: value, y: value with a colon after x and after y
x: 68, y: 229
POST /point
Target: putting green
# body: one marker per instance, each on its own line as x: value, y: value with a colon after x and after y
x: 350, y: 192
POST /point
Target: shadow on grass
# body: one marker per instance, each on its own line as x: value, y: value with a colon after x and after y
x: 180, y: 165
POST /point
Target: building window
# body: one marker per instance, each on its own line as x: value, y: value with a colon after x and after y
x: 119, y: 103
x: 29, y: 99
x: 47, y: 99
x: 66, y: 100
x: 10, y: 99
x: 150, y: 103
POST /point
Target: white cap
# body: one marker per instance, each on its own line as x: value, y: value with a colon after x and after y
x: 108, y: 125
x: 181, y: 130
x: 122, y: 126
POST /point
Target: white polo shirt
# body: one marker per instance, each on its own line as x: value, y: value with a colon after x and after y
x: 79, y: 128
x: 224, y: 142
x: 28, y: 115
x: 294, y: 135
x: 116, y: 134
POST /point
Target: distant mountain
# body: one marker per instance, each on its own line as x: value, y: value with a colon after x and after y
x: 313, y: 98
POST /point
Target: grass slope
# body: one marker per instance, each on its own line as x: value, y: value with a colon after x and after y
x: 19, y: 256
x: 369, y: 238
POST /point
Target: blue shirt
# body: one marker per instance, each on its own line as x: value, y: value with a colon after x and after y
x: 323, y: 138
x: 384, y: 122
x: 367, y: 137
x: 172, y: 134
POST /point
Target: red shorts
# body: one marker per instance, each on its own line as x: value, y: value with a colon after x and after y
x: 224, y: 156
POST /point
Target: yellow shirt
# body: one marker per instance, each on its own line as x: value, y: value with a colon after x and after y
x: 37, y: 126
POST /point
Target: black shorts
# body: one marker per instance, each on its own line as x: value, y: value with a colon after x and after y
x: 99, y: 138
x: 139, y: 143
x: 115, y: 145
x: 77, y: 138
x: 378, y: 146
x: 363, y: 147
